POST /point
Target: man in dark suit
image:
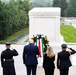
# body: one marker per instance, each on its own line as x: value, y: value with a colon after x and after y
x: 29, y: 57
x: 7, y: 61
x: 63, y: 60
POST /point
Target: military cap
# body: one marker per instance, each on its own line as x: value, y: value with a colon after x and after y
x: 64, y: 46
x: 8, y: 43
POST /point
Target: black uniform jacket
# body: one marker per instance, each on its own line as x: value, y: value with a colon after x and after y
x: 7, y: 55
x: 48, y: 62
x: 63, y: 59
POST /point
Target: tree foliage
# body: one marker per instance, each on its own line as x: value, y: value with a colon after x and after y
x: 62, y: 4
x: 41, y: 3
x: 56, y: 3
x: 71, y: 10
x: 13, y: 16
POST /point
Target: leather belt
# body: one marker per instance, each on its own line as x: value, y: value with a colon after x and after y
x: 8, y: 59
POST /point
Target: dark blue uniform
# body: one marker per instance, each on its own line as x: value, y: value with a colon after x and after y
x: 63, y: 61
x: 30, y: 58
x: 7, y: 61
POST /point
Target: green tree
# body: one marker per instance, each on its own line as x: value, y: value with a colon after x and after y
x: 24, y: 7
x: 13, y: 17
x: 62, y: 4
x: 3, y: 26
x: 1, y: 17
x: 56, y: 3
x: 41, y: 3
x: 71, y: 10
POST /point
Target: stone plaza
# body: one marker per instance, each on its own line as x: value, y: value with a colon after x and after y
x: 20, y: 67
x: 42, y: 21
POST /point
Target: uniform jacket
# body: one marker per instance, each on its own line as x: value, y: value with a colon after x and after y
x: 63, y: 60
x: 29, y: 54
x: 8, y: 54
x: 48, y: 62
x: 7, y: 61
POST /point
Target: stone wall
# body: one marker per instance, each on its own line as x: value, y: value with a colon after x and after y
x: 67, y: 18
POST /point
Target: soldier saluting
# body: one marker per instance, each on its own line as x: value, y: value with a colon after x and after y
x: 7, y: 61
x: 63, y: 60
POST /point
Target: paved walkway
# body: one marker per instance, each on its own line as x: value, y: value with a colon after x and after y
x: 21, y: 39
x: 72, y: 71
x: 72, y: 22
x: 40, y: 71
x: 20, y: 67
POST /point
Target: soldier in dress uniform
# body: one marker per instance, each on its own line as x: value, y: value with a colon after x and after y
x: 63, y: 60
x: 7, y: 61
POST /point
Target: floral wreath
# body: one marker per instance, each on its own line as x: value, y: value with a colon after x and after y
x: 45, y: 41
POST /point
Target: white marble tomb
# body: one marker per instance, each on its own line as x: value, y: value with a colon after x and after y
x: 46, y: 21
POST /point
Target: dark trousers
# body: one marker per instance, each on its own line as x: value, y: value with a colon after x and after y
x: 8, y: 68
x: 64, y: 71
x: 49, y: 71
x: 31, y: 68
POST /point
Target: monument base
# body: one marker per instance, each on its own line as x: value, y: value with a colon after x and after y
x: 56, y: 44
x: 40, y: 62
x: 56, y: 47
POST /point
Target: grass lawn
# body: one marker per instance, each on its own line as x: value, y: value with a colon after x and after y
x: 17, y: 34
x: 69, y: 33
